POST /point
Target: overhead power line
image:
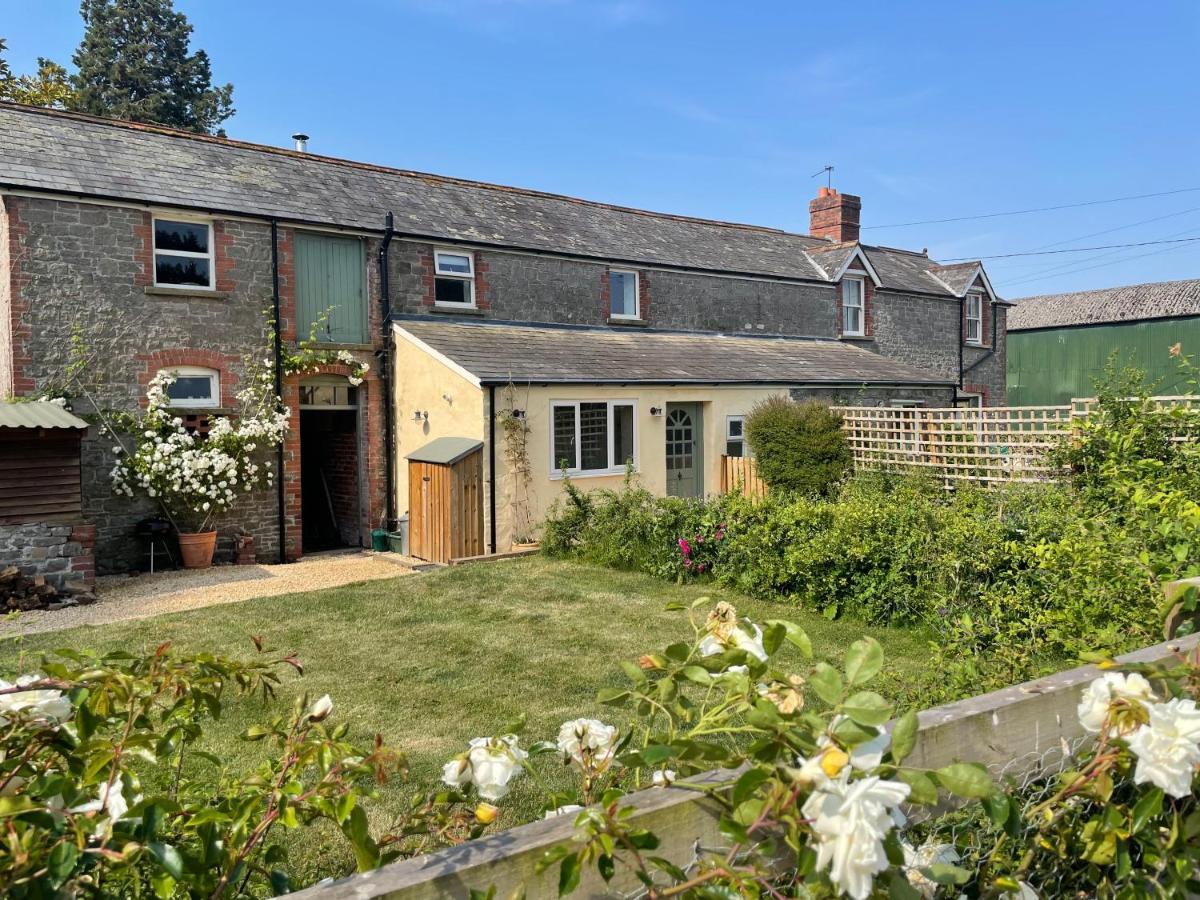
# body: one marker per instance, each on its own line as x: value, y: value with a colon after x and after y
x: 1111, y: 262
x: 1069, y: 250
x: 1038, y: 209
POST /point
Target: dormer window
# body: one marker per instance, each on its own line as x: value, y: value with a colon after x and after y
x: 974, y: 314
x: 853, y: 303
x: 454, y: 281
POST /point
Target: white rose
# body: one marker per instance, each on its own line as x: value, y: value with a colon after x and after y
x: 457, y: 773
x: 1168, y: 747
x: 589, y: 742
x: 562, y: 811
x: 924, y: 857
x: 50, y: 705
x: 850, y: 820
x: 321, y: 709
x: 663, y: 778
x: 494, y: 763
x: 739, y: 639
x: 1098, y: 697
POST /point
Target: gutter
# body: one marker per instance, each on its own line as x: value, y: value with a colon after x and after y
x: 277, y: 341
x: 385, y: 358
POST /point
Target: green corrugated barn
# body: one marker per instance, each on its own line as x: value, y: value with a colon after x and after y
x: 1058, y: 344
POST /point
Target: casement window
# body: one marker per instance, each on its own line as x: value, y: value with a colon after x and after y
x: 194, y: 387
x: 735, y: 436
x: 183, y: 253
x: 974, y: 306
x: 454, y: 278
x: 592, y: 437
x: 331, y: 287
x: 853, y: 301
x: 907, y: 437
x: 624, y: 294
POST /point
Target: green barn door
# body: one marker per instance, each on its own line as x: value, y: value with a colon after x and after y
x: 685, y: 450
x: 331, y: 274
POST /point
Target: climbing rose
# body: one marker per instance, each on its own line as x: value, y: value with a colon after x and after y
x: 589, y: 742
x: 38, y: 704
x: 1168, y: 747
x: 321, y: 709
x: 924, y: 857
x: 1098, y: 697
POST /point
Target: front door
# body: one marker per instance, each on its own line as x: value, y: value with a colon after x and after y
x: 685, y: 450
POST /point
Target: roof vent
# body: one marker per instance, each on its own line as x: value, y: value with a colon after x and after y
x: 301, y: 140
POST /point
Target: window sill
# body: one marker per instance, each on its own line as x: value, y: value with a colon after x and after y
x: 333, y: 345
x: 979, y: 345
x: 557, y: 474
x: 200, y: 410
x: 627, y: 320
x: 448, y: 310
x: 185, y: 293
x: 859, y: 338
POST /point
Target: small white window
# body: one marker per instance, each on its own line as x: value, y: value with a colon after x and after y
x: 735, y: 436
x: 852, y: 306
x: 623, y: 294
x: 592, y: 437
x: 974, y: 318
x: 194, y: 388
x: 454, y: 278
x: 183, y: 254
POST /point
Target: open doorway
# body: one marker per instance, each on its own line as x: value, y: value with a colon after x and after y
x: 329, y: 464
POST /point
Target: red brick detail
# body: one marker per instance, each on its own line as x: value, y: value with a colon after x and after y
x: 222, y: 258
x: 868, y: 307
x: 224, y: 363
x: 428, y: 278
x: 980, y: 389
x: 834, y: 216
x: 286, y: 245
x: 84, y: 563
x: 144, y: 254
x: 20, y: 326
x: 482, y: 299
x: 644, y: 296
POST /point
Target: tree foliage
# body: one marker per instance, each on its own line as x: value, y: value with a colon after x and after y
x: 798, y: 446
x: 134, y: 63
x: 50, y: 86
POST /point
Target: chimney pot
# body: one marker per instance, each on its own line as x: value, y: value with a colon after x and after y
x: 834, y: 216
x: 301, y: 140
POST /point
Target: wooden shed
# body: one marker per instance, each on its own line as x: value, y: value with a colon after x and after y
x: 445, y: 499
x: 39, y: 463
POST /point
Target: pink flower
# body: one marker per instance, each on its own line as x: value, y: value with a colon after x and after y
x: 685, y: 548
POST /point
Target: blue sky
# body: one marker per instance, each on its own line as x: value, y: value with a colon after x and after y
x: 725, y: 110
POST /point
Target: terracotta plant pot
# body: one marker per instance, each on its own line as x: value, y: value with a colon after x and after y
x: 197, y: 549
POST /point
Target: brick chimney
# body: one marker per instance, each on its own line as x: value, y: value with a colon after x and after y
x: 834, y: 216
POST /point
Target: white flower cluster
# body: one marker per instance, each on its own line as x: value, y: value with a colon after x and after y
x: 50, y: 705
x: 588, y: 743
x: 360, y: 368
x: 1165, y: 737
x: 201, y: 475
x: 489, y: 764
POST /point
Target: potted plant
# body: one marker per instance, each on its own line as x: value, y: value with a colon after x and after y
x: 195, y: 477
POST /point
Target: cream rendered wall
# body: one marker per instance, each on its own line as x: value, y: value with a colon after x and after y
x: 454, y: 403
x: 545, y: 486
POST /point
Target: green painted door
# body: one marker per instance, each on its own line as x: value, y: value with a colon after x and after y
x: 685, y: 450
x: 331, y: 275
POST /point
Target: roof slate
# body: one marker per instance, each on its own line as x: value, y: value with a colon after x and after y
x: 497, y: 354
x: 1163, y: 299
x: 38, y: 414
x: 67, y: 153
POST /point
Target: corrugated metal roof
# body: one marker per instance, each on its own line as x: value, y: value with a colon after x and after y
x: 38, y: 414
x: 1130, y: 303
x: 498, y: 353
x: 445, y: 450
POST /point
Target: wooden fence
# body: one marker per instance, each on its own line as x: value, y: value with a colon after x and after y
x: 739, y: 473
x: 1019, y: 731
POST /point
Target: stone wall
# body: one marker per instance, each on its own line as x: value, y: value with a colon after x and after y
x: 61, y: 553
x: 876, y: 396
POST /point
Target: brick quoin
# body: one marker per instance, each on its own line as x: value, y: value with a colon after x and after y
x: 981, y: 389
x: 144, y: 254
x: 21, y: 327
x: 428, y: 279
x: 605, y: 295
x: 84, y: 563
x: 482, y: 300
x: 222, y: 258
x: 224, y: 363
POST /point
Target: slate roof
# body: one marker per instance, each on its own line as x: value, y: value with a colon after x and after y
x: 1133, y: 302
x: 38, y: 414
x: 499, y: 353
x: 69, y: 153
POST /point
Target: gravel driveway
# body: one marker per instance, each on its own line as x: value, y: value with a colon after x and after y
x: 123, y: 597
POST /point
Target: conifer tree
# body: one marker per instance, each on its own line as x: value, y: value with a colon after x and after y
x: 134, y: 63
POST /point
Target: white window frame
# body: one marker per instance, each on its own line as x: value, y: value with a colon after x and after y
x: 637, y: 294
x: 613, y: 468
x: 211, y: 255
x: 974, y: 298
x: 860, y: 279
x: 214, y: 379
x: 741, y: 438
x: 469, y: 277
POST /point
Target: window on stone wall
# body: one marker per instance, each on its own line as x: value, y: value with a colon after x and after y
x: 183, y: 253
x: 454, y: 278
x: 974, y: 318
x: 194, y: 387
x: 623, y: 294
x: 853, y: 293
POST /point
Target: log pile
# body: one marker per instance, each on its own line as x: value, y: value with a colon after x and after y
x: 26, y: 592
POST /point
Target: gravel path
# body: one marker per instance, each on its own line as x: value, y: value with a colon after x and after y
x: 123, y: 597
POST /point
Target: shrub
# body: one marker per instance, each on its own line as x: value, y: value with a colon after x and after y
x: 798, y: 446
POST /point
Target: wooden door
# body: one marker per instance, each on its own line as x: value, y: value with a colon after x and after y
x: 466, y: 503
x: 427, y: 514
x: 685, y: 450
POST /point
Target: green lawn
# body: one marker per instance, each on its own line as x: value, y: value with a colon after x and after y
x: 433, y: 660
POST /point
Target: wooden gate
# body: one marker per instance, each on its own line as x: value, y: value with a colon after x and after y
x: 445, y: 500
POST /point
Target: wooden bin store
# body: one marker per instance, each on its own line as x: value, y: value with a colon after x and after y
x: 445, y: 500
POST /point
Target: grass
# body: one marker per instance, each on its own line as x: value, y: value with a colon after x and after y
x: 432, y: 661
